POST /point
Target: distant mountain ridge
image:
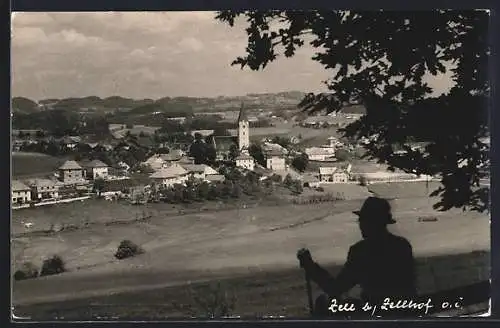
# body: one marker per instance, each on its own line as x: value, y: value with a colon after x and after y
x: 290, y: 98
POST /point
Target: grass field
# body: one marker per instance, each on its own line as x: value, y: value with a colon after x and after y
x: 26, y: 165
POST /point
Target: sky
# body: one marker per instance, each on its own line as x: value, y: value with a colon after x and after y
x: 144, y: 55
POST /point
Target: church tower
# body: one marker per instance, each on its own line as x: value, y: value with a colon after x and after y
x: 243, y: 130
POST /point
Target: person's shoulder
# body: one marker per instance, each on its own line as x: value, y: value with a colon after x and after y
x: 401, y: 240
x: 358, y: 246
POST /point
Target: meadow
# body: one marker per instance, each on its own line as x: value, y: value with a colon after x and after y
x: 27, y: 165
x: 251, y: 249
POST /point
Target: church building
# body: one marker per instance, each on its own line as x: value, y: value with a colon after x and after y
x: 223, y: 144
x: 243, y: 131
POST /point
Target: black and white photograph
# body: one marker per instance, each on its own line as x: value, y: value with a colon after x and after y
x: 256, y: 164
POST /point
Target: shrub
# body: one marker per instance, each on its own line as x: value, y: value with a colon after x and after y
x: 127, y: 249
x: 213, y: 301
x: 27, y: 271
x: 53, y: 265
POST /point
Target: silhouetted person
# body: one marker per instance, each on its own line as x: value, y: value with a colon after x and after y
x: 382, y: 263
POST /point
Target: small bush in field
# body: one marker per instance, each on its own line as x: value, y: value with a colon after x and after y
x: 27, y: 271
x: 127, y: 249
x: 53, y: 265
x: 212, y: 301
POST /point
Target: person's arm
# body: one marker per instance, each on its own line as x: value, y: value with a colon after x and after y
x: 410, y: 267
x: 334, y: 287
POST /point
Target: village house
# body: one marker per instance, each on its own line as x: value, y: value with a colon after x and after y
x: 71, y: 172
x: 320, y: 153
x: 204, y: 133
x: 310, y: 180
x: 95, y: 169
x: 21, y: 193
x: 245, y: 161
x: 198, y: 171
x: 174, y: 174
x: 43, y: 189
x: 214, y: 178
x: 180, y: 119
x: 155, y: 162
x: 70, y: 142
x: 334, y: 143
x: 275, y: 160
x: 335, y: 174
x: 159, y: 161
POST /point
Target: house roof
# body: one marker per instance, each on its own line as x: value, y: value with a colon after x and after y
x: 327, y: 170
x: 214, y: 177
x: 242, y: 116
x: 318, y: 151
x: 96, y: 163
x: 274, y: 153
x: 71, y: 139
x: 243, y: 157
x: 186, y: 160
x: 169, y: 172
x: 172, y: 156
x: 41, y: 182
x: 204, y: 133
x: 70, y: 165
x: 194, y: 167
x: 17, y: 185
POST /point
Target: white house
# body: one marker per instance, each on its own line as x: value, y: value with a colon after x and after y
x: 320, y: 153
x: 245, y: 161
x: 174, y: 174
x: 156, y: 162
x: 198, y: 171
x: 96, y: 169
x: 124, y: 166
x: 71, y: 172
x: 334, y: 142
x: 275, y: 162
x: 274, y: 148
x: 333, y: 174
x: 21, y: 193
x: 159, y: 161
x: 43, y: 189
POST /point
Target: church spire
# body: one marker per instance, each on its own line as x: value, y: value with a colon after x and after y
x: 243, y: 115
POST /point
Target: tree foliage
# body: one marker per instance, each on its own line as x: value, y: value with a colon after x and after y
x: 300, y: 162
x: 382, y: 59
x: 342, y: 155
x: 255, y: 150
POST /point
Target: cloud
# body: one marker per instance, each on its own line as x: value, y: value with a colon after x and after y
x: 144, y: 55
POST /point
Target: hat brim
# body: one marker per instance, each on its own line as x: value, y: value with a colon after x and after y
x: 390, y: 221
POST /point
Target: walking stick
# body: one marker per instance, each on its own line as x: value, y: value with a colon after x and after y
x: 309, y: 294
